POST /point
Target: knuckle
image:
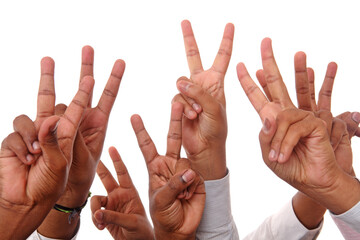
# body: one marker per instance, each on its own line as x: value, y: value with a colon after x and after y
x: 174, y: 136
x: 146, y: 142
x: 192, y: 52
x: 272, y: 78
x: 302, y: 90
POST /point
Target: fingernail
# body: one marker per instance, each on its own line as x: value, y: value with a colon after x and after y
x: 188, y: 176
x: 191, y: 114
x: 99, y: 216
x: 356, y: 117
x: 196, y: 107
x: 101, y: 226
x: 36, y: 145
x: 183, y: 85
x: 272, y: 155
x: 29, y: 157
x: 266, y: 126
x: 281, y: 157
x: 56, y: 126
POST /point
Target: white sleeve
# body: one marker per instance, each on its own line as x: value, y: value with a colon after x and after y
x: 217, y: 222
x: 349, y: 223
x: 37, y: 236
x: 284, y: 225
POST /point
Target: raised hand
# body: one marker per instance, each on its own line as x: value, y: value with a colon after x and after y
x: 92, y: 130
x: 337, y: 127
x: 210, y: 136
x: 123, y: 215
x: 295, y: 144
x: 29, y: 192
x: 176, y: 192
x: 87, y: 147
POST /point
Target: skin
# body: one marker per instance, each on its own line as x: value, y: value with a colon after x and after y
x: 123, y: 215
x: 176, y: 192
x: 204, y: 137
x: 309, y: 212
x: 295, y: 144
x: 87, y: 149
x: 27, y: 196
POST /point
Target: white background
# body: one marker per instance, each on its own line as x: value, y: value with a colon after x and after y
x: 147, y: 35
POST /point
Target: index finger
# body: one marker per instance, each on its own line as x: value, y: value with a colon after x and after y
x: 77, y: 106
x: 273, y: 77
x: 324, y: 102
x: 46, y: 94
x: 146, y: 145
x: 191, y: 48
x: 87, y: 64
x: 106, y: 178
x: 120, y: 168
x: 252, y: 91
x: 223, y: 56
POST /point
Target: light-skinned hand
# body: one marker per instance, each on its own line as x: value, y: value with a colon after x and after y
x: 208, y: 154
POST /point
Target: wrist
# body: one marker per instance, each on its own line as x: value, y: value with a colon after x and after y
x: 25, y: 217
x: 163, y: 235
x: 210, y: 163
x: 73, y: 199
x: 342, y: 196
x: 309, y: 212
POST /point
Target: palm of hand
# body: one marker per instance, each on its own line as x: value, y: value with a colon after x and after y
x: 127, y: 201
x: 199, y: 133
x: 212, y: 82
x: 87, y: 148
x: 161, y: 169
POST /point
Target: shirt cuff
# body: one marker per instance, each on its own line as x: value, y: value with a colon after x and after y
x: 217, y: 221
x: 349, y: 222
x: 285, y: 224
x: 37, y: 236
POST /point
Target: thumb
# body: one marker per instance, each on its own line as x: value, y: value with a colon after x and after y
x: 49, y: 143
x: 124, y: 220
x: 176, y: 185
x: 265, y: 137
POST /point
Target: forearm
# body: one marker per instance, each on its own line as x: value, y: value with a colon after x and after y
x: 283, y: 225
x: 161, y: 235
x: 56, y: 225
x: 340, y: 197
x: 309, y: 212
x: 63, y: 225
x: 26, y: 218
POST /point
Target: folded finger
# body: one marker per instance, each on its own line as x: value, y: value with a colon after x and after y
x: 26, y: 128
